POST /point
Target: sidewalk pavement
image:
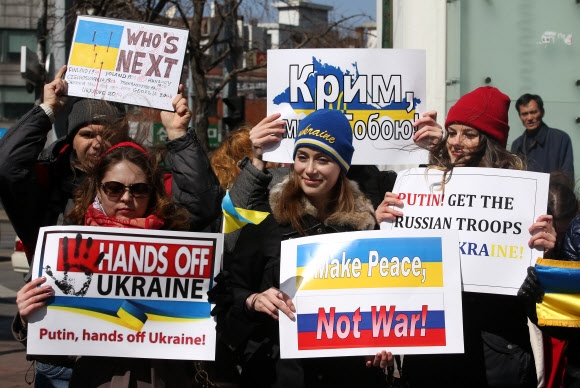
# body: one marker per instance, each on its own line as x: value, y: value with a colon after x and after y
x: 13, y: 364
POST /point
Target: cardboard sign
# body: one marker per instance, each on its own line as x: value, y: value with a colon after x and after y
x: 361, y: 292
x: 491, y: 208
x: 126, y: 293
x: 132, y: 63
x: 381, y: 92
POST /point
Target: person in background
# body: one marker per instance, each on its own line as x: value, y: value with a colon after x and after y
x: 544, y: 149
x: 497, y: 344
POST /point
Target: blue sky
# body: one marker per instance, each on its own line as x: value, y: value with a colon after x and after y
x: 351, y: 7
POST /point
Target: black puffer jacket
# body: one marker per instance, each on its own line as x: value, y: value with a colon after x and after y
x: 35, y: 192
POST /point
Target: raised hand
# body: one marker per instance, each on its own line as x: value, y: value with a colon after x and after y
x: 55, y: 92
x: 176, y: 123
x: 268, y: 131
x: 428, y: 131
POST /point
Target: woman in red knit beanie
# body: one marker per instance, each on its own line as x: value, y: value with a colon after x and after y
x: 477, y: 132
x: 497, y: 344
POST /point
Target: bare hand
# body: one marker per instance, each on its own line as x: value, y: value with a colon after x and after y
x: 428, y: 131
x: 176, y: 123
x: 31, y: 297
x: 268, y: 131
x: 543, y: 233
x: 272, y: 301
x: 55, y: 92
x: 381, y: 360
x: 385, y: 212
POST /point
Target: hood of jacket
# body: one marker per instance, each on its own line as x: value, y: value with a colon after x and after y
x: 362, y: 218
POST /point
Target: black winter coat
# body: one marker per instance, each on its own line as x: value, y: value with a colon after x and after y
x: 253, y: 267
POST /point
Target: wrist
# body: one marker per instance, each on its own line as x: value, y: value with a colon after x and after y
x: 49, y: 111
x: 251, y: 302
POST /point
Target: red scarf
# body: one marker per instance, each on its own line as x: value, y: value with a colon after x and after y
x: 95, y: 217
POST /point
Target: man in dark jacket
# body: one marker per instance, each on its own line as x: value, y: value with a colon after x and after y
x: 544, y: 149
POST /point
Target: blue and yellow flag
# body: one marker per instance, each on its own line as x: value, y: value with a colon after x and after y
x: 561, y: 303
x: 96, y: 45
x: 235, y: 217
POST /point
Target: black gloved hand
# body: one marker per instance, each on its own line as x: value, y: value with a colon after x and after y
x: 531, y: 288
x: 531, y: 292
x: 220, y: 294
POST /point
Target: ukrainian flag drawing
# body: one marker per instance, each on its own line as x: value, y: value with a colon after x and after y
x: 96, y: 45
x: 561, y: 303
x: 235, y: 217
x: 133, y: 314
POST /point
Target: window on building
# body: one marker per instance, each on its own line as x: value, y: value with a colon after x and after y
x: 15, y: 101
x: 12, y: 40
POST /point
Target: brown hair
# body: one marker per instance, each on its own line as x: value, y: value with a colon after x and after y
x: 224, y: 160
x: 234, y: 148
x: 175, y: 217
x: 489, y: 153
x: 290, y: 203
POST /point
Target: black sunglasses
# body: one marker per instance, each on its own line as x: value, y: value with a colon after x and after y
x: 116, y: 189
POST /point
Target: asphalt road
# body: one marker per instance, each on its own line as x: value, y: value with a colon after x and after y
x: 13, y: 364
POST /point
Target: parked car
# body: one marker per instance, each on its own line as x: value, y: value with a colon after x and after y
x: 19, y: 260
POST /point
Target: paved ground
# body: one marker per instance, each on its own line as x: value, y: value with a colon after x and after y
x: 13, y: 364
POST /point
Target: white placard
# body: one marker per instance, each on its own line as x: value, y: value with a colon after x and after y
x: 361, y: 292
x: 381, y: 92
x: 132, y: 63
x: 491, y: 208
x: 126, y: 293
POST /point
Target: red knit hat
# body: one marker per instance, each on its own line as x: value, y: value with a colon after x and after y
x: 485, y: 109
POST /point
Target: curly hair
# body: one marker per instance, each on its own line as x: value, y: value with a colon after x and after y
x: 151, y: 163
x: 234, y: 148
x: 224, y: 160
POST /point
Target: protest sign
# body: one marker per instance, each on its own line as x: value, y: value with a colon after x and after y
x: 132, y: 63
x: 491, y: 208
x: 126, y: 293
x: 380, y: 91
x: 359, y: 293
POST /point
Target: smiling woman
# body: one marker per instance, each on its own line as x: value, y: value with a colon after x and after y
x: 315, y: 198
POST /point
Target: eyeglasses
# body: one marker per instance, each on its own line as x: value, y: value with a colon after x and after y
x: 116, y: 189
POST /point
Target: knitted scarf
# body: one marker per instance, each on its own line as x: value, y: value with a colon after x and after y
x: 96, y: 217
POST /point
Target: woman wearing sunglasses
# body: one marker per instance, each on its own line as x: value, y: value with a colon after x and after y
x: 126, y: 188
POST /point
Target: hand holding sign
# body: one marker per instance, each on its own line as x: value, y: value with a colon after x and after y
x: 428, y: 132
x: 55, y: 92
x: 271, y: 302
x: 176, y: 123
x: 31, y: 297
x: 543, y: 233
x: 385, y: 211
x: 268, y: 131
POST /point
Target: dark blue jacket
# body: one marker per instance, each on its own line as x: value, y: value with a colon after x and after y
x: 548, y: 151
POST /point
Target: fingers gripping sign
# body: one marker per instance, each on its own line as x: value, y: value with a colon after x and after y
x: 271, y: 302
x: 268, y: 131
